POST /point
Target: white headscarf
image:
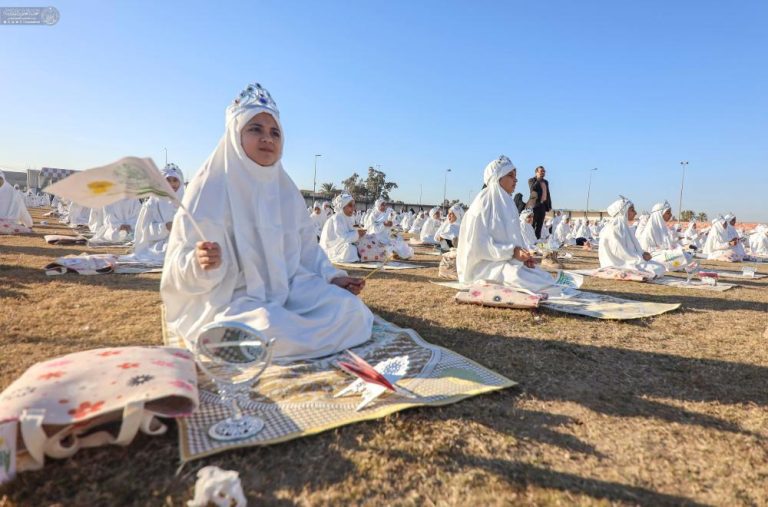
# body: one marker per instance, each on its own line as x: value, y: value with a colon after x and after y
x: 273, y: 273
x: 717, y: 238
x: 655, y: 235
x: 12, y: 204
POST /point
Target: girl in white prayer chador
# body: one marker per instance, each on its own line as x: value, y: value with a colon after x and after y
x: 155, y: 221
x: 526, y: 227
x: 619, y: 247
x: 730, y: 229
x: 758, y: 241
x: 380, y: 223
x: 12, y: 207
x: 430, y: 227
x: 719, y: 245
x: 318, y: 217
x: 418, y: 223
x: 259, y: 262
x: 491, y: 245
x: 449, y: 229
x: 118, y: 222
x: 339, y: 237
x: 656, y: 239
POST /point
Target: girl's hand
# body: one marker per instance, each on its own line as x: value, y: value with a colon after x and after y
x: 208, y: 254
x: 353, y: 285
x: 646, y: 256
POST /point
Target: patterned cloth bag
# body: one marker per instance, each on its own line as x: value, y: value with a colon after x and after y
x: 371, y: 249
x: 8, y: 226
x: 447, y: 267
x: 97, y: 397
x: 494, y: 294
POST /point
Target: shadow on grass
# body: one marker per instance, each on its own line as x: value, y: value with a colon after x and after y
x: 689, y: 300
x: 17, y: 276
x: 608, y: 380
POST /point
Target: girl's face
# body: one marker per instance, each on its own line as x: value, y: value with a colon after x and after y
x: 631, y: 213
x: 262, y: 140
x: 529, y: 219
x: 667, y: 216
x: 509, y: 181
x: 349, y: 209
x: 174, y: 182
x: 451, y: 217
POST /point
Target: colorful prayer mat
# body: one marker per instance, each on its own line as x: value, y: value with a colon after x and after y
x: 297, y: 400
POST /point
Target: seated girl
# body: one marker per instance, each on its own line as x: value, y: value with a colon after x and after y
x: 12, y: 207
x: 491, y: 245
x: 339, y: 237
x: 618, y: 245
x: 380, y: 223
x: 259, y: 261
x: 449, y: 229
x: 758, y: 241
x: 318, y: 217
x: 719, y: 246
x: 156, y: 219
x: 418, y: 223
x: 430, y: 227
x: 526, y: 227
x: 656, y: 238
x: 118, y: 222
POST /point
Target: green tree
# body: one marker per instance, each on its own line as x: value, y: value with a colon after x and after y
x: 376, y: 184
x: 355, y: 186
x: 702, y: 217
x: 329, y: 189
x: 687, y: 215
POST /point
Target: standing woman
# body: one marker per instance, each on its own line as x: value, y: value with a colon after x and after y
x: 259, y: 262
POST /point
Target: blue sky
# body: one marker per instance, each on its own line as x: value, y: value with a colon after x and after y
x: 631, y: 88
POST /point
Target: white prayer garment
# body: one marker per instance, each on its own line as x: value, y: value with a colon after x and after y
x: 78, y: 215
x: 115, y: 216
x: 490, y: 232
x: 418, y: 223
x: 449, y: 230
x: 655, y: 235
x: 619, y: 248
x: 12, y: 205
x: 562, y: 235
x: 717, y: 246
x: 691, y: 236
x: 430, y: 227
x: 529, y: 235
x: 318, y: 218
x: 273, y: 275
x: 639, y: 225
x: 758, y: 241
x: 151, y: 240
x: 658, y: 240
x: 339, y: 237
x: 405, y: 224
x: 732, y: 233
x: 378, y: 217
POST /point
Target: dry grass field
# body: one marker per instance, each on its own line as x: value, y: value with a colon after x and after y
x: 664, y: 411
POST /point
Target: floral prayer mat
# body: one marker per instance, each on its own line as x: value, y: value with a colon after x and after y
x: 297, y: 400
x: 669, y: 281
x: 592, y: 304
x: 391, y: 266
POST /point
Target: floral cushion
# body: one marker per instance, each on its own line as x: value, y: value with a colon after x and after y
x: 493, y: 294
x: 371, y: 249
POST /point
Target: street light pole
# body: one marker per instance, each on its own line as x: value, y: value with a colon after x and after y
x: 420, y: 189
x: 589, y: 188
x: 683, y: 164
x: 314, y: 180
x: 166, y: 156
x: 445, y: 187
